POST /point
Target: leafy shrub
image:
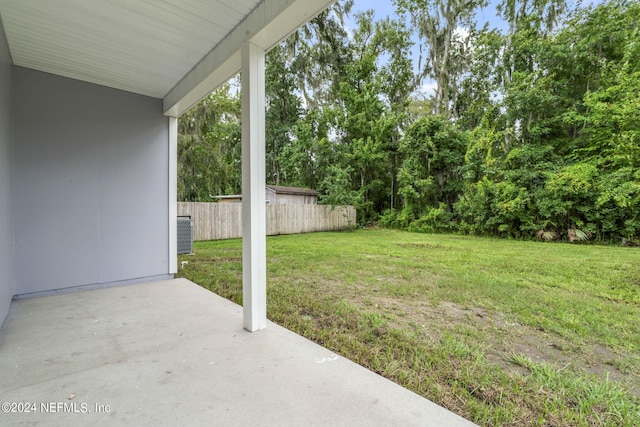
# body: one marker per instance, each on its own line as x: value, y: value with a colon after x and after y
x: 436, y: 220
x: 392, y: 218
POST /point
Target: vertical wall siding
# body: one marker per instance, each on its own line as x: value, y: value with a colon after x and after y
x: 90, y: 188
x: 215, y: 221
x: 6, y: 228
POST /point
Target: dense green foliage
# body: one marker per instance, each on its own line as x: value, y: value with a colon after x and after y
x: 209, y: 148
x: 531, y: 131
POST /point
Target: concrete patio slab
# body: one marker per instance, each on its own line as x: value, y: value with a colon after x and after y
x: 173, y: 353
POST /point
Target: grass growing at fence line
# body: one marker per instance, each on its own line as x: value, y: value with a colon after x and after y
x: 501, y: 332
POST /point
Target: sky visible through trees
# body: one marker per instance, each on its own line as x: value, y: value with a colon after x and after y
x: 427, y: 117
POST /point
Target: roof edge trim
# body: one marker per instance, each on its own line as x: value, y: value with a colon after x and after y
x: 265, y: 26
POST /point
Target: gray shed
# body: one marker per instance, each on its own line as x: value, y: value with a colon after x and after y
x: 280, y: 195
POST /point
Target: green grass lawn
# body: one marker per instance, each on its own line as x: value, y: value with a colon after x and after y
x: 501, y: 332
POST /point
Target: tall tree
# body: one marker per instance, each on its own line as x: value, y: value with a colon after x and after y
x: 396, y: 76
x: 529, y: 21
x: 363, y: 126
x: 433, y: 153
x: 320, y: 51
x: 445, y: 27
x: 209, y: 147
x: 283, y: 110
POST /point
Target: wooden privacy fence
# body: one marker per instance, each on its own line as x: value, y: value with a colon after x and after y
x: 215, y: 221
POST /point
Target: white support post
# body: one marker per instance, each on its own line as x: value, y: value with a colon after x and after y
x: 173, y: 195
x: 254, y: 226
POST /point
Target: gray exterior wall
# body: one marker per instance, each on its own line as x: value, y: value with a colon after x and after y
x: 6, y: 233
x: 90, y: 185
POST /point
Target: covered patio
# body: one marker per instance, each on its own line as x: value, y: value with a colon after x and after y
x: 173, y: 353
x: 90, y: 93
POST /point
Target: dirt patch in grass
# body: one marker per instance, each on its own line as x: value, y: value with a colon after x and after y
x: 424, y: 246
x: 502, y: 338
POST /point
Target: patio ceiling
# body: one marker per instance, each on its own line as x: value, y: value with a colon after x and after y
x: 176, y: 50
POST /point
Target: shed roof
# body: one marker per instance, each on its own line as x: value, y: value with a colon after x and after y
x: 278, y: 189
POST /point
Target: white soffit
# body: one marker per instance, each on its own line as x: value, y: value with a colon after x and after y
x: 266, y: 25
x: 147, y: 46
